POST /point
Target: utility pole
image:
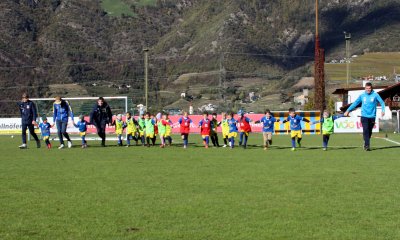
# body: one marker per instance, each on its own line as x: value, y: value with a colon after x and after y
x: 347, y: 37
x: 319, y: 68
x: 221, y: 76
x: 146, y: 75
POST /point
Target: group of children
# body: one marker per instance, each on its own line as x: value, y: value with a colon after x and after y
x: 148, y: 126
x: 144, y: 129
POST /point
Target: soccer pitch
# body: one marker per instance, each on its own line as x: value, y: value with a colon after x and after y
x: 196, y: 193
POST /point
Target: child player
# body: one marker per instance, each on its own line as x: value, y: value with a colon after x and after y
x: 233, y: 130
x: 245, y: 128
x: 327, y: 127
x: 268, y: 122
x: 141, y: 129
x: 119, y: 128
x: 45, y: 131
x: 168, y: 130
x: 82, y: 127
x: 214, y: 131
x: 225, y: 129
x: 149, y: 125
x: 131, y: 129
x: 205, y: 126
x: 162, y: 128
x: 184, y: 123
x: 295, y: 127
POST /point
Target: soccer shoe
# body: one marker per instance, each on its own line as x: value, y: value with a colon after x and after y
x: 299, y: 144
x: 265, y: 148
x: 224, y: 146
x: 184, y: 146
x: 38, y: 144
x: 244, y: 146
x: 61, y: 146
x: 69, y: 144
x: 83, y: 146
x: 127, y: 145
x: 103, y: 143
x: 324, y: 149
x: 49, y: 146
x: 23, y: 146
x: 293, y: 149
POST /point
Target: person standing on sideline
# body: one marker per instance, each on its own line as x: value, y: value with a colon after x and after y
x: 28, y: 119
x: 368, y: 100
x: 101, y: 116
x: 61, y: 111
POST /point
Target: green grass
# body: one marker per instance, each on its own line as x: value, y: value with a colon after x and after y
x: 117, y: 8
x: 172, y: 193
x: 376, y: 64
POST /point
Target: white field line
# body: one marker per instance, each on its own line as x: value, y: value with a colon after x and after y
x: 389, y: 140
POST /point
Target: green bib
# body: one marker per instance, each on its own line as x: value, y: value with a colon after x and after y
x: 328, y: 125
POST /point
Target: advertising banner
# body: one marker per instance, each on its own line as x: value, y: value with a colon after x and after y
x: 352, y: 125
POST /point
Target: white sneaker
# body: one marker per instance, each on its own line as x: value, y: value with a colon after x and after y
x: 61, y: 146
x: 23, y: 146
x: 224, y: 145
x: 69, y: 144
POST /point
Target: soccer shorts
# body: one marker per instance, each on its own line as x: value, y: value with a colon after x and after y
x: 326, y: 133
x: 150, y: 135
x: 141, y: 133
x: 232, y: 134
x: 225, y: 135
x: 131, y: 133
x: 297, y: 134
x: 82, y: 134
x: 119, y: 132
x: 204, y: 136
x: 45, y: 138
x: 267, y: 136
x: 247, y: 133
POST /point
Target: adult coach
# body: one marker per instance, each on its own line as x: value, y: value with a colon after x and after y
x: 28, y: 119
x: 368, y: 100
x: 101, y: 116
x: 61, y: 111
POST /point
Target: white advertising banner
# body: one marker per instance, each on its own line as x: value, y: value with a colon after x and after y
x: 10, y: 125
x: 352, y: 125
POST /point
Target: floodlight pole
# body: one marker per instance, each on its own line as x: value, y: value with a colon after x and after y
x: 146, y: 75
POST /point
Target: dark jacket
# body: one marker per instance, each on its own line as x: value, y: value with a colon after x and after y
x: 28, y: 112
x: 101, y: 115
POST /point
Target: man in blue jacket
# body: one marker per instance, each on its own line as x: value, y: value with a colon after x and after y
x: 28, y: 119
x: 61, y: 111
x: 368, y: 100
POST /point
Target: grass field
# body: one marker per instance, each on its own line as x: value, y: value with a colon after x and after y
x: 376, y: 64
x: 197, y: 193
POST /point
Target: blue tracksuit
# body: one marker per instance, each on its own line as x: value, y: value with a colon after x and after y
x: 368, y: 104
x: 368, y: 113
x: 28, y: 114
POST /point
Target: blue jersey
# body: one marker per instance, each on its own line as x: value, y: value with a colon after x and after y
x: 232, y: 125
x: 45, y: 129
x: 295, y: 122
x: 268, y: 124
x: 61, y: 111
x: 368, y: 104
x: 82, y: 125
